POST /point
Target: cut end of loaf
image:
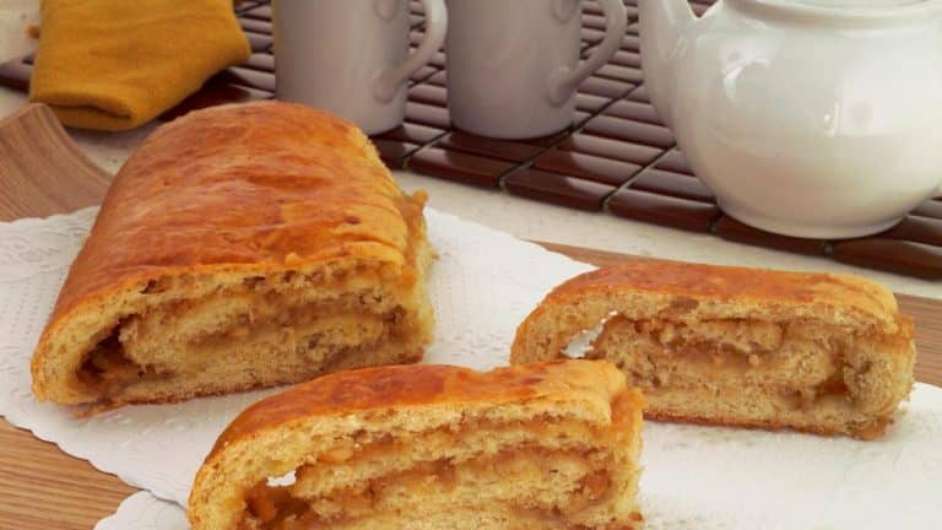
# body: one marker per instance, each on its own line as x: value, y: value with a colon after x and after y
x: 186, y: 336
x: 544, y: 446
x: 802, y: 375
x: 239, y: 247
x: 778, y: 351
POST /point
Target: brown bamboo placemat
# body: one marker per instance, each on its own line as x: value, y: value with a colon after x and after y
x: 618, y: 158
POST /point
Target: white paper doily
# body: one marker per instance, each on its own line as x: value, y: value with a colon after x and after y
x: 702, y: 478
x: 483, y: 285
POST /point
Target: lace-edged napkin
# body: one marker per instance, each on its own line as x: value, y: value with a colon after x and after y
x: 484, y: 283
x: 702, y: 478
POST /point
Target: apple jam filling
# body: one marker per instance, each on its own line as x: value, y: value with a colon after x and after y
x: 548, y: 482
x: 107, y: 369
x: 543, y: 467
x: 801, y: 361
x: 187, y: 337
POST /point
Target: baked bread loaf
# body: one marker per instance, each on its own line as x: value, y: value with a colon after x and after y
x: 548, y: 446
x: 241, y: 246
x: 821, y: 353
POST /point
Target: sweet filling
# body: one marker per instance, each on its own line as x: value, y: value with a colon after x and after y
x: 803, y: 361
x: 551, y: 482
x: 372, y: 457
x: 229, y: 330
x: 542, y: 468
x: 296, y: 321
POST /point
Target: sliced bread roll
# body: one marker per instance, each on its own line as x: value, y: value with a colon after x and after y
x: 240, y: 246
x: 550, y: 446
x: 822, y: 353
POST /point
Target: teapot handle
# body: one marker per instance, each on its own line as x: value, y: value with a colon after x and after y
x: 565, y: 80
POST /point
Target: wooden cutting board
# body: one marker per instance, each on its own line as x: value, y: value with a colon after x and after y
x: 42, y: 172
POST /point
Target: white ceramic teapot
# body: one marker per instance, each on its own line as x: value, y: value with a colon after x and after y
x: 812, y: 118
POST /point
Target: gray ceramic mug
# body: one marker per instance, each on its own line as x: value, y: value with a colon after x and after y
x: 351, y: 57
x: 513, y: 66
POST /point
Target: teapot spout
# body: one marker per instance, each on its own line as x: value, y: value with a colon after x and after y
x: 662, y: 25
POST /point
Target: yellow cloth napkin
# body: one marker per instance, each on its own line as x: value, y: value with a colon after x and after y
x: 117, y: 64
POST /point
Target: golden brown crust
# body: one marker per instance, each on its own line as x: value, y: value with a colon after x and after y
x: 238, y: 188
x: 199, y: 193
x: 736, y: 284
x: 874, y: 357
x: 848, y: 300
x: 278, y: 432
x: 403, y: 386
x: 870, y: 431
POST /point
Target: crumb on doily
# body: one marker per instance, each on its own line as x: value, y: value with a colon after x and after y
x: 32, y: 30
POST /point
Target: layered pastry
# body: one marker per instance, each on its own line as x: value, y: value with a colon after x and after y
x: 241, y: 246
x: 549, y: 446
x: 822, y: 353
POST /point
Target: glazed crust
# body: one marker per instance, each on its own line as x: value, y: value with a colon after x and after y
x: 736, y: 292
x: 276, y: 434
x: 789, y: 290
x: 396, y: 387
x: 234, y: 189
x: 872, y: 431
x: 876, y: 356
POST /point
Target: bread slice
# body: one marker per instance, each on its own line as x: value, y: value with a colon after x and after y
x: 241, y: 246
x: 822, y: 353
x: 551, y: 445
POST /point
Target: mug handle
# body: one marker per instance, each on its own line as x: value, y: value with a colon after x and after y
x: 388, y: 82
x: 565, y: 80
